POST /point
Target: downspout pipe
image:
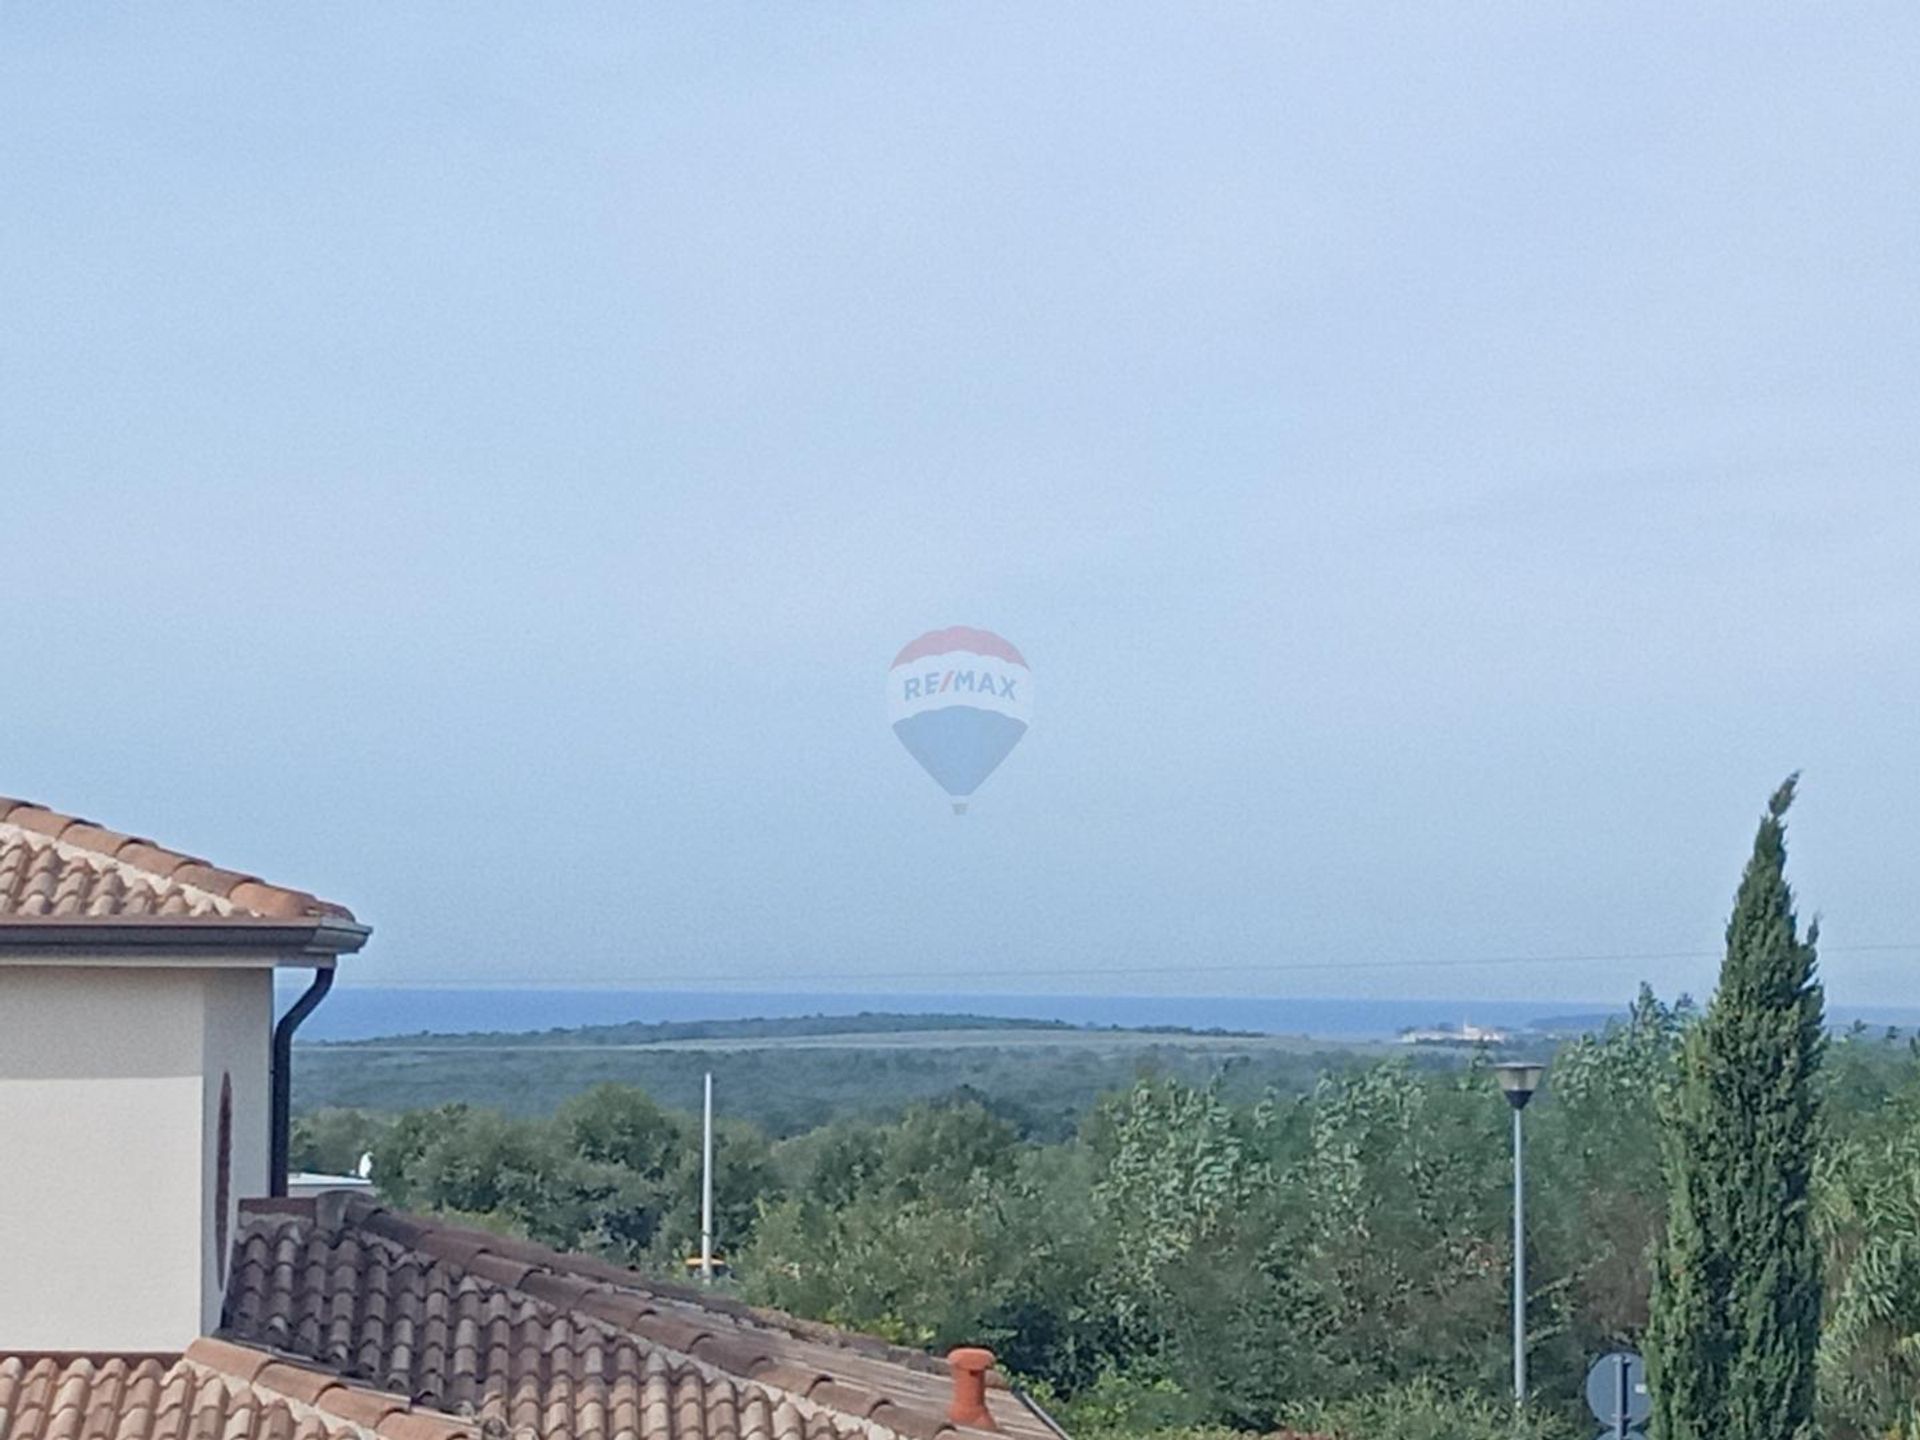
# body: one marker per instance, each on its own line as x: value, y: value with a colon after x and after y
x: 280, y: 1144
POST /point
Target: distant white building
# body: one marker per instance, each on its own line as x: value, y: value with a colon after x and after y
x: 1466, y: 1033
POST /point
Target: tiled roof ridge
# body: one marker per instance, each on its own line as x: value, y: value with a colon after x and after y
x: 336, y: 1402
x: 602, y: 1309
x: 215, y: 1389
x: 117, y: 862
x: 369, y: 1215
x: 515, y: 1288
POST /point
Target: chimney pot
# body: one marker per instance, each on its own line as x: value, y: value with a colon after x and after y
x: 969, y: 1365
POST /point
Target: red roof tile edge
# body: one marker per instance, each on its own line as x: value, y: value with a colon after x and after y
x: 410, y: 1229
x: 450, y: 1240
x: 234, y: 1391
x: 598, y: 1291
x: 257, y: 899
x: 333, y: 1400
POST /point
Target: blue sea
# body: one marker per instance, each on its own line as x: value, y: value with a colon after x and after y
x: 359, y: 1012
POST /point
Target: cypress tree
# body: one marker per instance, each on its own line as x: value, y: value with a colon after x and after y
x: 1736, y: 1287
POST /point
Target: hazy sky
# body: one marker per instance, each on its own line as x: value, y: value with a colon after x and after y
x: 1443, y: 463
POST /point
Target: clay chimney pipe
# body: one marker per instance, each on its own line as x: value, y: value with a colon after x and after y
x: 969, y: 1365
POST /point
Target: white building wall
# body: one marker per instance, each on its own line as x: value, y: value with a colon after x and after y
x: 237, y: 1042
x: 109, y: 1095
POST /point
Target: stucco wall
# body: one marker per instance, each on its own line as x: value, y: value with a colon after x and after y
x: 237, y: 1042
x: 108, y: 1098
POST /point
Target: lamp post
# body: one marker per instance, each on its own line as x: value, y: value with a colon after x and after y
x: 1518, y: 1081
x: 706, y: 1185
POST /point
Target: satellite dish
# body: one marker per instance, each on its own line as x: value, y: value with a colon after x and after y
x: 959, y: 699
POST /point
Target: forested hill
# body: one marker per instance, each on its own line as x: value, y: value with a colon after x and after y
x: 645, y: 1032
x: 790, y: 1075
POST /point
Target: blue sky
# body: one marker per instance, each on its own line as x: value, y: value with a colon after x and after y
x: 1443, y: 464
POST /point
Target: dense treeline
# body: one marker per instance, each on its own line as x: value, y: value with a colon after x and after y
x: 1046, y: 1083
x: 1334, y: 1260
x: 660, y: 1032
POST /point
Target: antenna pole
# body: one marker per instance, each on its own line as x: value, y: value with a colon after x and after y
x: 706, y: 1187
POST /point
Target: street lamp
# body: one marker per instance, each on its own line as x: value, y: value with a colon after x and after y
x: 1518, y: 1080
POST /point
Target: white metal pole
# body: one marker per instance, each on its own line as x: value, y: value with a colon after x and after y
x: 1519, y: 1267
x: 706, y: 1187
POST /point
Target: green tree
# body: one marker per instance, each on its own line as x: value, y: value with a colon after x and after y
x: 333, y: 1141
x: 1735, y: 1325
x: 1870, y: 1351
x: 1175, y: 1174
x: 1402, y: 1189
x: 941, y: 1229
x: 1596, y: 1152
x: 1868, y: 1217
x: 612, y: 1174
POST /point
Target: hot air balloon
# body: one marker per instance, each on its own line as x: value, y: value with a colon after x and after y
x: 959, y: 700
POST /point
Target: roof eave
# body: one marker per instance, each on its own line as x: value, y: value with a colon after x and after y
x: 321, y: 937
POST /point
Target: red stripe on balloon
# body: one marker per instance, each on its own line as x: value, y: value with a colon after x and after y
x: 960, y: 637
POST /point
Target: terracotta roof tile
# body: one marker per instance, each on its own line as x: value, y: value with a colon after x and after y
x: 546, y: 1346
x: 210, y: 878
x: 849, y: 1399
x: 562, y: 1291
x: 94, y: 837
x: 795, y: 1379
x: 914, y: 1423
x: 417, y: 1425
x: 235, y: 1360
x: 498, y: 1268
x: 365, y: 1408
x: 216, y: 1391
x: 736, y: 1354
x: 38, y: 818
x: 147, y: 856
x: 57, y: 867
x: 306, y: 1386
